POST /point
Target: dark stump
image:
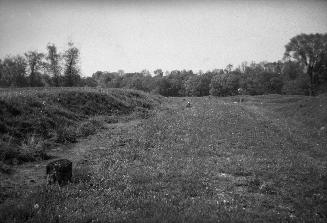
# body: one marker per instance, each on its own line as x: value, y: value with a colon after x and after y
x: 59, y: 171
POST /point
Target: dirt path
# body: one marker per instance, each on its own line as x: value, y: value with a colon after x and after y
x: 31, y: 174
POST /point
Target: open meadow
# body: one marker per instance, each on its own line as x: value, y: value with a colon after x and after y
x: 261, y: 160
x: 168, y: 111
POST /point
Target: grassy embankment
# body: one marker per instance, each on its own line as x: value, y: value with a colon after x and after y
x: 32, y: 120
x: 260, y: 161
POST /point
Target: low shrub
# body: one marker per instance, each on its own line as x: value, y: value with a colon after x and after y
x: 82, y: 174
x: 90, y: 126
x: 32, y: 149
x: 66, y: 134
x: 110, y: 119
x: 4, y: 167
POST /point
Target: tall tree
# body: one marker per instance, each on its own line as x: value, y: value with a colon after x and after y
x: 193, y: 86
x: 14, y: 71
x: 145, y: 72
x: 158, y: 72
x: 291, y: 70
x: 310, y: 50
x: 224, y: 84
x: 228, y: 68
x: 53, y: 64
x: 34, y: 61
x: 72, y: 73
x: 3, y: 80
x: 121, y: 72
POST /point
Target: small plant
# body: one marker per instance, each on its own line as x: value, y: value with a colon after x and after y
x: 86, y: 129
x: 110, y: 119
x: 82, y: 174
x: 33, y: 148
x: 66, y: 134
x: 90, y: 126
x: 4, y: 167
x: 7, y: 151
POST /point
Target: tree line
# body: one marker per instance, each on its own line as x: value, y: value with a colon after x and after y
x: 256, y: 78
x: 303, y: 70
x: 36, y: 69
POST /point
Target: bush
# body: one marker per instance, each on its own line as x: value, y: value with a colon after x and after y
x: 66, y: 134
x: 91, y: 126
x: 32, y: 149
x: 262, y: 83
x: 298, y: 86
x: 224, y: 85
x: 82, y: 174
x: 4, y: 167
x: 110, y: 119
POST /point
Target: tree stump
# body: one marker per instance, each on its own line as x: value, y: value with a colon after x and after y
x: 59, y: 171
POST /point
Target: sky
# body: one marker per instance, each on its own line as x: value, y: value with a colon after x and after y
x: 143, y: 34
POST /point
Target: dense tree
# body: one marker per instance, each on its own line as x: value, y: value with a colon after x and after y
x: 14, y: 71
x: 3, y: 79
x: 158, y: 72
x: 121, y: 72
x: 107, y: 79
x: 205, y: 83
x: 34, y: 61
x: 298, y: 86
x: 176, y: 79
x: 162, y: 87
x: 145, y: 72
x: 291, y: 70
x: 305, y: 67
x: 53, y: 59
x: 273, y: 67
x: 269, y: 83
x: 198, y: 85
x: 72, y: 73
x: 193, y: 86
x: 310, y: 50
x: 224, y: 84
x: 89, y: 82
x: 228, y: 68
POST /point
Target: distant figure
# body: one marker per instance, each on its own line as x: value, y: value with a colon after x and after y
x: 241, y: 92
x: 188, y: 104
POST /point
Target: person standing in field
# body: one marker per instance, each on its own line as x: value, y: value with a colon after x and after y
x: 241, y: 92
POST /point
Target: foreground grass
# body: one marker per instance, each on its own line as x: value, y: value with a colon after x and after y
x: 32, y: 119
x: 215, y: 161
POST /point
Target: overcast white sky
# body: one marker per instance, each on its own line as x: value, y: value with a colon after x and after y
x: 136, y: 35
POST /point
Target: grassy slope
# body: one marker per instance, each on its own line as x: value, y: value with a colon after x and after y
x: 61, y: 114
x: 217, y: 160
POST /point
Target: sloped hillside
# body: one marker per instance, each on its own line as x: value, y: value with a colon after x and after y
x: 57, y: 114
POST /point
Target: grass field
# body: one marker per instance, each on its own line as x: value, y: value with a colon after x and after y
x: 262, y: 160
